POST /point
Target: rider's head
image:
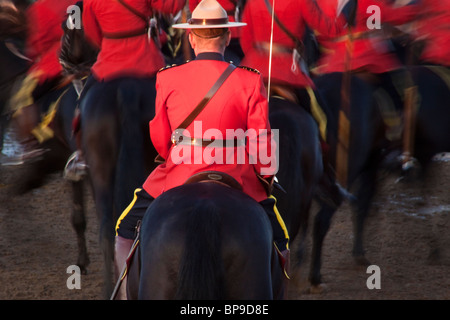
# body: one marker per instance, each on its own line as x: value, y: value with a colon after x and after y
x: 209, y: 27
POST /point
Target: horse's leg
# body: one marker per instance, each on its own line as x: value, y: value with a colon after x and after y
x: 104, y: 200
x: 364, y: 198
x: 101, y: 150
x: 322, y: 223
x: 302, y: 232
x: 79, y: 224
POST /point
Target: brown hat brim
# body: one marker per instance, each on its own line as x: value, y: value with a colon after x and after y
x: 208, y: 26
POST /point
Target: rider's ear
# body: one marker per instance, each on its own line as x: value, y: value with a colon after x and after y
x: 192, y: 40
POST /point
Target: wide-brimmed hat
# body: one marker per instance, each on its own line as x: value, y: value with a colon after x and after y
x: 208, y: 14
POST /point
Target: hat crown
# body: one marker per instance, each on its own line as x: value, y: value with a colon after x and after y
x: 209, y: 9
x: 208, y: 14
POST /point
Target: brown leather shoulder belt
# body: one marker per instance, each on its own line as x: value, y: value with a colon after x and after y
x: 178, y: 133
x: 178, y: 137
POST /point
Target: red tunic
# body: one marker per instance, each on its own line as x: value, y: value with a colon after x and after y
x: 370, y: 53
x: 434, y: 28
x: 230, y: 8
x: 45, y: 18
x: 241, y: 103
x: 255, y: 37
x: 132, y: 56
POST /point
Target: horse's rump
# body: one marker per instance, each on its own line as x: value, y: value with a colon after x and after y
x: 205, y: 241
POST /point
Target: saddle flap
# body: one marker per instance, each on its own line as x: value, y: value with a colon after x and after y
x: 216, y: 177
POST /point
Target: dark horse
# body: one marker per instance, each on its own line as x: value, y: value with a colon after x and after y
x: 58, y: 148
x: 205, y: 240
x: 430, y: 136
x: 202, y: 216
x: 118, y: 151
x: 432, y: 129
x: 300, y: 166
x: 365, y: 154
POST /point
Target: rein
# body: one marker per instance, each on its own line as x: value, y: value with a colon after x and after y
x: 271, y: 50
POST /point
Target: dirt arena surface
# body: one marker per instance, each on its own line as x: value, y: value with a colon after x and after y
x: 38, y: 244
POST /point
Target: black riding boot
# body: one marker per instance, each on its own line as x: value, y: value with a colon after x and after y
x: 122, y: 248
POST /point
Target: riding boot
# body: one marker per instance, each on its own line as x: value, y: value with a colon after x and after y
x: 25, y: 120
x: 122, y: 248
x: 76, y: 167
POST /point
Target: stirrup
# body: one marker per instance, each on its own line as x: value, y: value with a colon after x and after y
x: 75, y: 168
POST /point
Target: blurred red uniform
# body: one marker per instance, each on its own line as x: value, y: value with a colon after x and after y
x: 229, y: 109
x: 434, y: 28
x: 255, y: 39
x: 107, y: 23
x: 370, y: 51
x: 42, y: 46
x: 44, y: 37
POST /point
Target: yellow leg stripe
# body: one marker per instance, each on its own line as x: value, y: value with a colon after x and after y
x: 318, y: 114
x: 42, y: 131
x: 24, y: 96
x: 280, y: 220
x: 127, y: 209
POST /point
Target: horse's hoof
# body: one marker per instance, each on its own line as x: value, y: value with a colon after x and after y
x: 318, y: 288
x: 361, y: 260
x: 83, y: 270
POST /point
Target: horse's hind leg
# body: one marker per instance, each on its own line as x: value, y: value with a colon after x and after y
x: 322, y: 223
x: 78, y: 219
x: 366, y: 192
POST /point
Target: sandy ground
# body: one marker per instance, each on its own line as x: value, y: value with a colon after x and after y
x: 38, y: 245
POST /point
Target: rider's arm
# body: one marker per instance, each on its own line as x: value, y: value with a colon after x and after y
x: 263, y: 148
x: 160, y: 130
x: 92, y: 29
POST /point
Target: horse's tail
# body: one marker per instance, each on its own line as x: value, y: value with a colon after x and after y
x: 201, y: 273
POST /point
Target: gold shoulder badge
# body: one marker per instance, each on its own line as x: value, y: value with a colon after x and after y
x: 249, y: 69
x: 167, y: 67
x: 171, y: 66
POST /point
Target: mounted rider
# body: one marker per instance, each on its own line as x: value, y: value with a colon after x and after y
x: 289, y: 75
x: 45, y: 75
x: 238, y: 103
x: 365, y: 51
x: 120, y: 30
